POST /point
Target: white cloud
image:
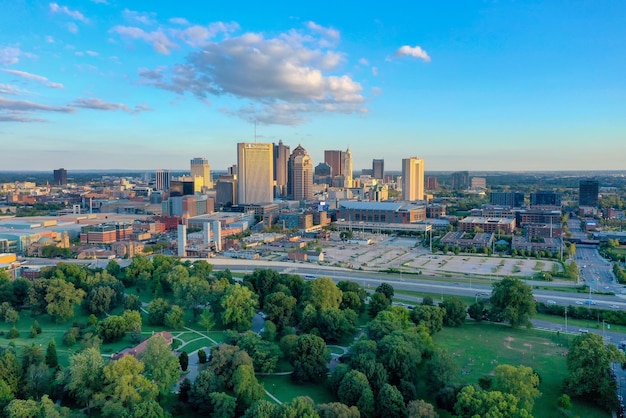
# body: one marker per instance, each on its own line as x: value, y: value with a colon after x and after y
x: 179, y: 21
x: 364, y: 61
x: 377, y: 91
x: 35, y: 77
x: 375, y: 71
x: 9, y: 55
x: 146, y: 18
x: 49, y: 39
x: 199, y: 35
x: 24, y: 105
x: 10, y: 90
x: 92, y: 53
x: 99, y: 104
x: 160, y: 42
x: 19, y: 117
x: 74, y: 14
x: 100, y: 1
x: 72, y: 27
x: 412, y: 51
x: 324, y: 31
x: 285, y: 77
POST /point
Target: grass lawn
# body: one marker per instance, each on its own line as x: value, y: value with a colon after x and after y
x: 480, y: 348
x: 285, y: 390
x: 574, y: 324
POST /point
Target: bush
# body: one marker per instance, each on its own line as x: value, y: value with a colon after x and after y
x: 70, y: 336
x: 13, y: 333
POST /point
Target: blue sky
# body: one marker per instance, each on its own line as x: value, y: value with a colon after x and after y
x: 466, y: 85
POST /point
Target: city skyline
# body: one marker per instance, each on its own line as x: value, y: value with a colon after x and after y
x: 478, y: 86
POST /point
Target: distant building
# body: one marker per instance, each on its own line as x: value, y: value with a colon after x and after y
x: 281, y: 175
x: 184, y: 187
x: 334, y: 158
x: 545, y: 198
x: 431, y: 183
x: 506, y: 225
x: 479, y: 183
x: 60, y: 177
x: 588, y: 193
x: 107, y: 233
x: 255, y: 172
x: 226, y: 190
x: 412, y: 179
x: 200, y: 168
x: 459, y: 180
x: 513, y: 199
x: 322, y: 174
x: 378, y: 169
x: 381, y: 212
x: 464, y: 240
x: 163, y: 179
x: 346, y: 162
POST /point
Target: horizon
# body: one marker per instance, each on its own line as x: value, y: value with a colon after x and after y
x: 501, y: 85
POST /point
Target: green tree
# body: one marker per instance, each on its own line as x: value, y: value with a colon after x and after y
x: 157, y: 309
x: 421, y: 409
x: 6, y: 394
x: 223, y: 405
x: 401, y: 353
x: 513, y: 301
x: 472, y: 402
x: 114, y: 269
x: 10, y: 369
x: 310, y: 359
x: 441, y: 370
x: 280, y: 308
x: 201, y: 356
x: 148, y: 408
x: 175, y: 318
x: 476, y: 311
x: 206, y: 383
x: 386, y: 289
x: 124, y: 385
x: 455, y: 311
x: 52, y: 360
x: 337, y: 410
x: 355, y: 390
x: 334, y: 324
x: 207, y: 320
x: 61, y: 297
x: 192, y: 293
x: 99, y: 299
x: 36, y: 381
x: 183, y: 360
x: 429, y: 316
x: 112, y: 328
x: 85, y: 378
x: 225, y: 359
x: 378, y: 303
x: 239, y: 304
x: 161, y: 364
x: 19, y: 408
x: 390, y: 403
x: 246, y: 388
x: 322, y: 293
x: 520, y: 381
x: 588, y: 362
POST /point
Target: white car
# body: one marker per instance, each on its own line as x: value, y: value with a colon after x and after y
x: 579, y: 302
x: 614, y: 307
x: 551, y: 302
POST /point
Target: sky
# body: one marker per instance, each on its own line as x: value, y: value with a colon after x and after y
x: 466, y: 85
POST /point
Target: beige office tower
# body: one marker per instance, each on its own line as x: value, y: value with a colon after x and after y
x: 255, y: 173
x: 200, y: 168
x: 413, y: 179
x: 346, y: 164
x: 300, y: 174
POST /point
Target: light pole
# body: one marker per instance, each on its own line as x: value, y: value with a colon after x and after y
x: 566, y: 319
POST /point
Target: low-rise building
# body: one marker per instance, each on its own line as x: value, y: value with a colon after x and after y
x: 505, y: 225
x: 466, y: 240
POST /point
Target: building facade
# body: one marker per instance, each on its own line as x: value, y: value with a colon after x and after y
x: 255, y: 172
x: 60, y: 177
x: 200, y: 168
x: 300, y: 175
x: 163, y: 179
x: 281, y: 162
x: 413, y: 179
x: 588, y: 193
x: 378, y: 169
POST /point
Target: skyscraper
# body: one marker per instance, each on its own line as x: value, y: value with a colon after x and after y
x: 378, y: 168
x: 60, y: 177
x: 163, y: 179
x: 346, y: 168
x: 200, y: 168
x: 588, y: 193
x: 255, y: 172
x: 281, y: 175
x: 459, y: 180
x: 334, y: 160
x: 413, y: 179
x: 300, y: 175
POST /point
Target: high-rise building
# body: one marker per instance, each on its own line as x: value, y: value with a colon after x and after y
x: 255, y: 172
x: 300, y: 175
x: 334, y: 160
x: 432, y: 183
x: 200, y: 168
x: 281, y: 175
x: 545, y: 198
x: 60, y: 177
x: 378, y: 169
x: 346, y: 168
x: 513, y: 199
x: 226, y: 190
x: 163, y: 179
x: 413, y: 179
x: 588, y: 193
x: 459, y: 180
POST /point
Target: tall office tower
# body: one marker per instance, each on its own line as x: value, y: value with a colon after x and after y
x: 346, y: 168
x: 60, y: 177
x: 460, y: 180
x: 321, y: 174
x: 300, y: 175
x: 513, y: 199
x: 226, y: 190
x: 378, y: 169
x: 200, y: 168
x: 163, y: 179
x: 412, y: 179
x: 545, y: 198
x: 281, y: 161
x: 588, y: 193
x: 255, y: 172
x: 334, y: 160
x: 431, y: 183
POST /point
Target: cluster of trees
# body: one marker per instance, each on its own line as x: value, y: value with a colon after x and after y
x: 511, y: 300
x: 611, y: 316
x: 607, y: 250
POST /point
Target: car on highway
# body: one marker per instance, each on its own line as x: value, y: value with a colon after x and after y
x: 583, y: 331
x: 551, y: 302
x: 590, y: 302
x: 614, y: 307
x: 579, y: 302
